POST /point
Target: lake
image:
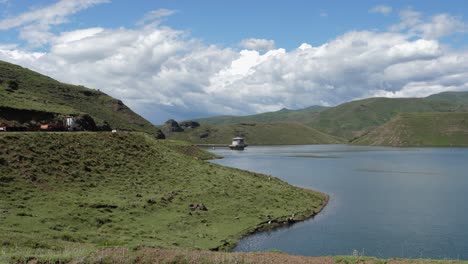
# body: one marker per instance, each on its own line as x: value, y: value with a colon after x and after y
x: 384, y: 202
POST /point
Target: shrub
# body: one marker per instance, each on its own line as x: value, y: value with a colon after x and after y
x: 13, y: 85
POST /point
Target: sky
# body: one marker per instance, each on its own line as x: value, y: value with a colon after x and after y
x: 185, y: 59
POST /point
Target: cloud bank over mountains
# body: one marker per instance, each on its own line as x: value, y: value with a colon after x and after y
x: 156, y: 69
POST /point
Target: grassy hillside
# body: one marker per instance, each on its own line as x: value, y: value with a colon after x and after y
x: 283, y: 115
x: 64, y: 195
x: 354, y: 119
x: 23, y: 89
x: 420, y: 129
x: 255, y: 134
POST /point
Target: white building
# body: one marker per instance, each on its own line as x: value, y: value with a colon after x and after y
x: 238, y: 143
x: 70, y: 123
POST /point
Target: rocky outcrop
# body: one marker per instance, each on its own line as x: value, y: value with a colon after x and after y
x: 104, y: 127
x: 200, y: 207
x: 189, y: 124
x: 171, y: 126
x: 160, y: 135
x: 86, y: 122
x: 12, y: 116
x: 203, y: 135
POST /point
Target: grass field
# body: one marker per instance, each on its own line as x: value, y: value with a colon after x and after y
x: 420, y: 129
x: 256, y: 134
x: 65, y: 195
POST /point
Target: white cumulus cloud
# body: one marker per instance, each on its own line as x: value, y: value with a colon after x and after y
x: 258, y: 44
x: 35, y: 24
x: 162, y: 72
x: 435, y: 27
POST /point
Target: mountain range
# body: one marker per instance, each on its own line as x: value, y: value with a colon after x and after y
x: 353, y: 120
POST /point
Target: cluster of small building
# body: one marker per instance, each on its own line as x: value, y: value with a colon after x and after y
x: 69, y: 124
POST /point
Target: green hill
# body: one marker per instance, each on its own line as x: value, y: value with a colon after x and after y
x: 354, y: 119
x: 283, y: 115
x: 27, y: 97
x: 420, y: 129
x: 255, y: 134
x: 65, y: 195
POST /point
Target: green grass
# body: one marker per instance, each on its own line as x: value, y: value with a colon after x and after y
x: 354, y: 119
x: 256, y: 134
x: 66, y: 194
x: 283, y: 115
x: 420, y: 129
x: 41, y: 93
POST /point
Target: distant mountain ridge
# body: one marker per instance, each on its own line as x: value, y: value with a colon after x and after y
x: 353, y: 119
x: 255, y: 134
x: 420, y: 129
x: 42, y: 99
x: 283, y: 115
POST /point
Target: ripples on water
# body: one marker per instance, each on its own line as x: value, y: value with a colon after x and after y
x: 385, y: 202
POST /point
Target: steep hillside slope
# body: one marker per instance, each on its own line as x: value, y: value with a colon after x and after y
x: 256, y: 134
x: 38, y: 96
x: 356, y: 118
x: 283, y: 115
x: 68, y: 194
x: 420, y: 129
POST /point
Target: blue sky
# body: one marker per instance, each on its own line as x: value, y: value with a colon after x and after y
x: 290, y: 23
x: 185, y: 59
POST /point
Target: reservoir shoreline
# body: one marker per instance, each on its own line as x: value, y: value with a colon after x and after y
x: 277, y: 223
x: 382, y: 200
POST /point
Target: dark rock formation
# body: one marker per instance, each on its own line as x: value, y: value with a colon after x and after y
x: 90, y: 93
x: 203, y: 135
x: 160, y: 135
x: 200, y: 207
x: 104, y: 127
x: 21, y: 116
x: 86, y: 122
x: 171, y: 126
x: 189, y: 124
x: 118, y: 105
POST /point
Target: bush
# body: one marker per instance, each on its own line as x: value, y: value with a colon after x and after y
x: 13, y: 85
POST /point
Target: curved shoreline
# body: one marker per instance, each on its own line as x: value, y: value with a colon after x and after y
x: 276, y: 223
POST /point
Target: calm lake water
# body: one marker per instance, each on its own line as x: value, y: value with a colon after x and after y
x: 384, y: 202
